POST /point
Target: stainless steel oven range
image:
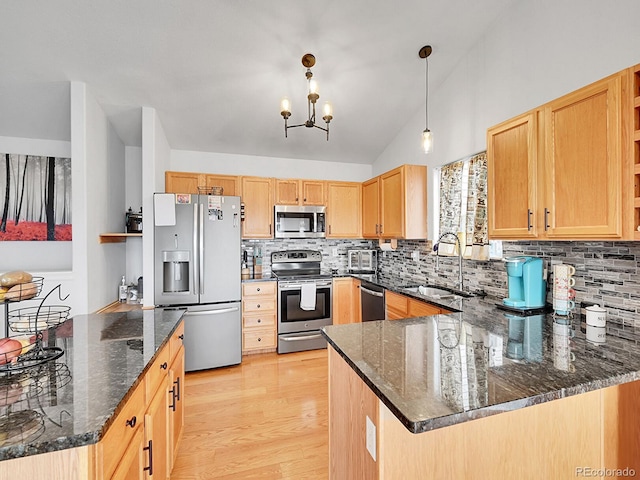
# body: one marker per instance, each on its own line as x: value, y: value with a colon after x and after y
x: 304, y: 299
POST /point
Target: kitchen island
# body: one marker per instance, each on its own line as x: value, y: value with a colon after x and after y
x: 439, y: 397
x: 56, y: 417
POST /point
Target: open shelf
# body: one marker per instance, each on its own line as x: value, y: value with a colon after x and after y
x: 117, y: 237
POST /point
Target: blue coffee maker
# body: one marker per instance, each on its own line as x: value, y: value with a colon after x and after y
x: 527, y: 286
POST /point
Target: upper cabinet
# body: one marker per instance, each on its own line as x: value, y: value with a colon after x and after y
x: 559, y: 172
x: 631, y: 115
x: 512, y: 169
x: 299, y: 192
x: 394, y: 204
x: 343, y: 209
x: 186, y: 182
x: 257, y: 197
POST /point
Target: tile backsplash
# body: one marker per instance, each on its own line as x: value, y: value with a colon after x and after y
x: 606, y: 273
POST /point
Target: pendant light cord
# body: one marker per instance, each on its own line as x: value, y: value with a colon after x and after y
x: 426, y: 102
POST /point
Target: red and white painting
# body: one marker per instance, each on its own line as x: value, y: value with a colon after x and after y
x: 35, y: 198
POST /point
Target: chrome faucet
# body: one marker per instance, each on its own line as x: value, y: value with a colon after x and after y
x: 437, y: 249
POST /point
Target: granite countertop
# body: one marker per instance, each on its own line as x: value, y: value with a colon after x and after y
x: 480, y: 360
x: 70, y: 402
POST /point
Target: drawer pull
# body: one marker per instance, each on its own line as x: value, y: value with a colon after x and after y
x: 259, y: 339
x: 132, y: 422
x: 258, y: 306
x: 259, y: 320
x: 149, y: 448
x: 258, y: 289
x: 164, y: 366
x: 181, y: 337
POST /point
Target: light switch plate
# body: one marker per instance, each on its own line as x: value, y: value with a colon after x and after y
x: 371, y: 438
x: 334, y: 251
x: 415, y: 255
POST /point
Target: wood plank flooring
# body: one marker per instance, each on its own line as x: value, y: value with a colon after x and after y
x: 266, y: 418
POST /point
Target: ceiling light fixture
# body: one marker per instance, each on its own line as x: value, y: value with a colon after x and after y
x: 427, y: 136
x: 308, y: 61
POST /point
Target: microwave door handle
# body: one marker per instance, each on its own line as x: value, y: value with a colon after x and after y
x: 194, y: 260
x: 201, y: 253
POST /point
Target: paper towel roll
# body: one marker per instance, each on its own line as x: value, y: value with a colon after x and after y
x: 388, y: 246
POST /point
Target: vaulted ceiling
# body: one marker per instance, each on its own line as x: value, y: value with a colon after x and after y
x: 216, y: 70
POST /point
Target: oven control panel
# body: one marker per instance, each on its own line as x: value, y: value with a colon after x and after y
x: 296, y: 256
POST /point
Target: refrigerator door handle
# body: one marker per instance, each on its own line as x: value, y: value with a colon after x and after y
x: 201, y: 252
x: 211, y: 312
x: 196, y: 286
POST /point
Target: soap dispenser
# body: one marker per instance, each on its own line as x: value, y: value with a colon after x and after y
x: 122, y: 290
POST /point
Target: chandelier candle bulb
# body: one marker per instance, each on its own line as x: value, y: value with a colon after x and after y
x: 313, y: 86
x: 285, y: 105
x: 327, y: 110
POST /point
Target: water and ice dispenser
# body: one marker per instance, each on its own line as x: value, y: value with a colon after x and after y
x: 175, y: 271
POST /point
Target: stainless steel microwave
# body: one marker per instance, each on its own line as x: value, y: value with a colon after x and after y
x: 293, y: 221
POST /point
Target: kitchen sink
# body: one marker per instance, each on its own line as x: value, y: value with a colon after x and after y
x: 436, y: 293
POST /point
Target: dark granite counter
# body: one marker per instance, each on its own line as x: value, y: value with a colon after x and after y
x: 71, y: 401
x: 433, y: 372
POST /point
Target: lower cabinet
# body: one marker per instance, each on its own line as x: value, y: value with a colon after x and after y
x: 400, y: 306
x: 142, y: 441
x: 346, y: 301
x: 156, y: 456
x: 259, y: 317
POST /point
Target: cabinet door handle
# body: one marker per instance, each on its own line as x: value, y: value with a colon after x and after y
x: 546, y: 219
x: 177, y: 382
x: 376, y: 228
x: 181, y: 337
x: 329, y: 229
x: 269, y: 229
x: 164, y: 366
x: 149, y: 448
x: 172, y: 406
x: 132, y: 422
x: 304, y: 199
x: 529, y: 213
x: 296, y: 199
x: 380, y: 229
x: 258, y: 289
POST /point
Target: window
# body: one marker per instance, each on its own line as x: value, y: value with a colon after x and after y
x: 462, y: 209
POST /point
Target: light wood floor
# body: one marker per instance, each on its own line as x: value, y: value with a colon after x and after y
x: 266, y: 418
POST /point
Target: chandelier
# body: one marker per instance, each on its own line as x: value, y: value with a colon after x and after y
x: 308, y: 61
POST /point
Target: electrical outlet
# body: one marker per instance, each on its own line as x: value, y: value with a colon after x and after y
x: 371, y: 438
x: 415, y: 255
x: 334, y: 251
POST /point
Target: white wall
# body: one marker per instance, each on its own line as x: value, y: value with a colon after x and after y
x: 133, y: 183
x: 228, y: 164
x: 30, y: 256
x: 535, y: 52
x: 156, y: 155
x: 98, y: 201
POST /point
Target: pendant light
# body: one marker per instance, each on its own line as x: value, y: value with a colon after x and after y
x: 427, y: 136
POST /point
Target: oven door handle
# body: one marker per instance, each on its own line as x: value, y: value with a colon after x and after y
x: 371, y: 292
x: 300, y: 337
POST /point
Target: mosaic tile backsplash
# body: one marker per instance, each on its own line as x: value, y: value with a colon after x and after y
x: 606, y: 273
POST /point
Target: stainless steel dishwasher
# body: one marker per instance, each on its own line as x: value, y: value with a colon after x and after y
x: 372, y: 301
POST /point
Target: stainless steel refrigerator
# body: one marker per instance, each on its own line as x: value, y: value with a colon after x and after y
x: 197, y: 265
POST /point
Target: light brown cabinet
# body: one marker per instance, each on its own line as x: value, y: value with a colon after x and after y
x: 394, y: 204
x: 259, y: 315
x: 156, y: 456
x: 557, y: 171
x: 187, y: 182
x: 344, y: 207
x: 299, y: 192
x: 399, y: 306
x: 257, y: 197
x: 346, y: 301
